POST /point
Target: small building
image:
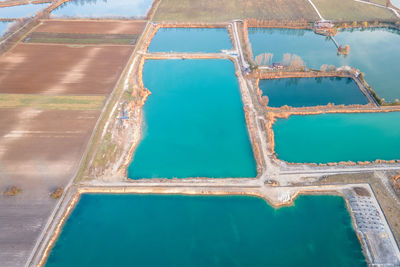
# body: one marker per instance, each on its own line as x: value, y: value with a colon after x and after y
x: 277, y: 65
x: 324, y: 24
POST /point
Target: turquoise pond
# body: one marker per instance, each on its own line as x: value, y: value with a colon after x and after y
x: 338, y: 137
x: 207, y: 40
x: 175, y: 230
x: 21, y: 11
x: 380, y: 65
x: 194, y: 122
x: 305, y: 92
x: 103, y: 8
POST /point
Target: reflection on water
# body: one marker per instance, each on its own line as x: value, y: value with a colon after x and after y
x: 376, y: 52
x: 103, y: 8
x: 21, y: 11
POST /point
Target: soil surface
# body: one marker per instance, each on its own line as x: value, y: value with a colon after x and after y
x: 61, y: 69
x: 92, y: 27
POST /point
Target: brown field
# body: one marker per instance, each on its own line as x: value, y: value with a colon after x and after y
x: 225, y: 10
x: 349, y: 10
x: 62, y: 70
x: 39, y: 152
x: 91, y: 27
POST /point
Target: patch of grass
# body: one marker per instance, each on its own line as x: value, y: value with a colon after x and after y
x: 52, y: 102
x: 57, y: 193
x: 350, y: 10
x: 226, y: 10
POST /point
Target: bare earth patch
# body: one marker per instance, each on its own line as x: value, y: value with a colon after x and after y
x: 225, y: 10
x: 60, y: 69
x: 350, y: 10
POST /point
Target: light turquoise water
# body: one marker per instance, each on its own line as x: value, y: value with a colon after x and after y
x: 306, y: 92
x: 210, y: 40
x: 338, y: 137
x: 3, y: 27
x: 376, y: 52
x: 103, y: 8
x: 157, y: 230
x: 21, y: 11
x: 194, y: 122
x: 396, y: 3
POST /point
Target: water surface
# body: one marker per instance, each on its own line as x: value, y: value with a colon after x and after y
x: 208, y: 40
x: 306, y: 92
x: 103, y: 8
x: 160, y: 230
x: 3, y: 27
x: 21, y: 11
x: 338, y: 137
x: 396, y: 3
x: 194, y: 122
x: 376, y: 52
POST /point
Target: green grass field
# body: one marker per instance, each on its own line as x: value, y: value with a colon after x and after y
x: 52, y: 102
x: 225, y: 10
x: 350, y: 10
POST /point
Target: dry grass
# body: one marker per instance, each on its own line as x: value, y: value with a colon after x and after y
x: 46, y: 102
x: 350, y: 10
x: 390, y: 207
x: 12, y: 191
x: 57, y: 193
x: 225, y: 10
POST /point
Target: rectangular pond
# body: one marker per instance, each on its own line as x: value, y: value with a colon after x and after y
x: 21, y: 11
x: 338, y: 137
x: 380, y: 65
x: 194, y: 122
x: 176, y: 230
x: 206, y: 40
x: 103, y: 8
x: 307, y: 92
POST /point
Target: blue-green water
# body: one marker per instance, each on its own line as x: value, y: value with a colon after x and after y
x: 21, y: 11
x: 376, y: 52
x: 210, y: 40
x: 3, y: 27
x: 103, y: 8
x: 306, y: 92
x: 159, y: 230
x: 338, y: 137
x: 194, y: 122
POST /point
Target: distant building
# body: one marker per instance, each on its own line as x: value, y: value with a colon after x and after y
x: 324, y: 24
x: 277, y: 65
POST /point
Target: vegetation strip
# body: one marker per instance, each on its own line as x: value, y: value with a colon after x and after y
x: 52, y: 102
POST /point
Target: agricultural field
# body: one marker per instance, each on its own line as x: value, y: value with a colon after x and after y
x: 349, y: 10
x: 51, y: 97
x: 225, y: 10
x: 61, y: 69
x: 87, y: 32
x: 39, y: 152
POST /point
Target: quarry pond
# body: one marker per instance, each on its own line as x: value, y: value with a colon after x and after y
x: 379, y: 65
x: 194, y: 123
x: 307, y: 92
x: 328, y: 138
x: 101, y: 9
x: 125, y: 230
x: 205, y: 40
